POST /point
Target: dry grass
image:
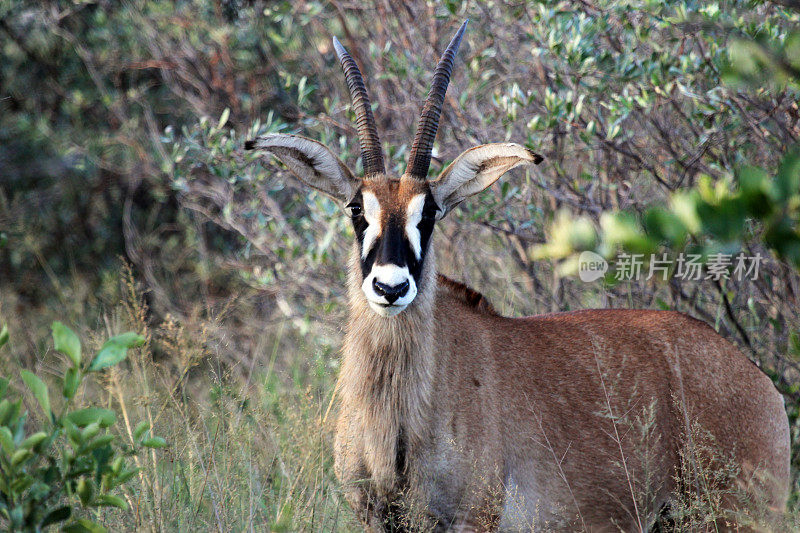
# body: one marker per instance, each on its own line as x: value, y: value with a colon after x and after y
x: 250, y: 443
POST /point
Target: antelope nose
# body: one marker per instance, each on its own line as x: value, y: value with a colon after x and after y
x: 390, y: 292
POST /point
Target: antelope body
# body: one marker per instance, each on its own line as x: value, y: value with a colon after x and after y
x: 453, y: 417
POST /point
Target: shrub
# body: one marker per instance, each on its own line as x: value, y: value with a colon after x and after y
x: 69, y: 461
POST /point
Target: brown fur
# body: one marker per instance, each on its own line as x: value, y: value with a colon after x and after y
x: 470, y: 297
x: 393, y: 195
x: 456, y: 411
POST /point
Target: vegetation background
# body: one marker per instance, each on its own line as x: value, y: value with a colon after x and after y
x: 127, y: 203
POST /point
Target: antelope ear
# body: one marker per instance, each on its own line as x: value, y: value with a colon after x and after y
x: 476, y: 169
x: 311, y: 162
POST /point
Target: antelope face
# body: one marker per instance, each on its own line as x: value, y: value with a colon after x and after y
x: 393, y: 222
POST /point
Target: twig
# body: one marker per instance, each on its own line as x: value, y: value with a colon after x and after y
x: 618, y: 440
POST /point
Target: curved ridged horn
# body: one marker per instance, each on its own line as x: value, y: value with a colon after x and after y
x: 371, y: 154
x: 419, y: 160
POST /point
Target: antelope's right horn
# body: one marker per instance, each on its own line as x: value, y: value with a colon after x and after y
x: 371, y: 153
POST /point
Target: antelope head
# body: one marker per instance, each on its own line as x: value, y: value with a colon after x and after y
x: 393, y: 216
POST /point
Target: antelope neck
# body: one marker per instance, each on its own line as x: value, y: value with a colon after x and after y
x: 388, y: 367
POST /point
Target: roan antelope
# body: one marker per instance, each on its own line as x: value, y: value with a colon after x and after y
x: 453, y: 417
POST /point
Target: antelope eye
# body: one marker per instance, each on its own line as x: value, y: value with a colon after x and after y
x: 353, y: 210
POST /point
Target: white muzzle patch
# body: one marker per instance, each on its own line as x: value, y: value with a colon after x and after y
x: 391, y: 276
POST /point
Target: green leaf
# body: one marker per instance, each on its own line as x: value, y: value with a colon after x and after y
x: 40, y: 490
x: 5, y: 407
x: 73, y: 432
x: 154, y: 442
x: 109, y: 355
x: 90, y: 431
x: 109, y: 500
x: 141, y: 427
x: 3, y: 386
x: 752, y: 179
x: 20, y: 456
x: 58, y: 514
x: 126, y: 475
x: 782, y: 235
x: 16, y: 515
x: 725, y: 220
x: 84, y: 525
x: 7, y: 440
x: 224, y: 118
x: 754, y: 187
x: 791, y: 49
x: 99, y: 442
x: 3, y: 335
x: 665, y: 226
x: 72, y: 379
x: 684, y: 206
x: 84, y: 417
x: 128, y: 339
x: 787, y: 182
x: 85, y: 490
x: 623, y: 228
x: 9, y: 411
x: 22, y: 483
x: 39, y: 390
x: 67, y: 342
x: 34, y: 440
x: 115, y: 350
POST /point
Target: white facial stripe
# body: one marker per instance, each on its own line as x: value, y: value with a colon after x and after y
x: 413, y: 217
x: 372, y: 214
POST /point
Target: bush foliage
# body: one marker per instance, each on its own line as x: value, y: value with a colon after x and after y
x: 71, y: 459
